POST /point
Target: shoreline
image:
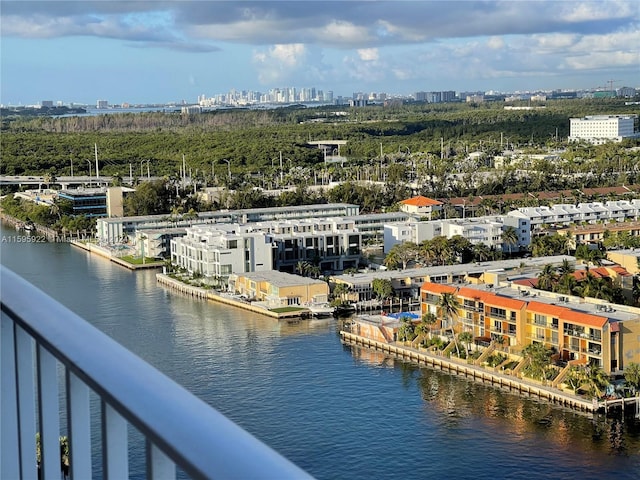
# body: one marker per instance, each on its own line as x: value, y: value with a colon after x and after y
x: 461, y: 368
x: 207, y: 294
x: 103, y: 252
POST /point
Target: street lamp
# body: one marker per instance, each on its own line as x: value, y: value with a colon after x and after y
x: 89, y: 162
x: 228, y: 167
x: 142, y: 171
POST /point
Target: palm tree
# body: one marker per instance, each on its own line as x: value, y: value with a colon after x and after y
x: 302, y: 267
x: 466, y: 338
x: 596, y: 380
x: 481, y: 252
x: 539, y: 358
x: 421, y: 331
x: 448, y: 307
x: 547, y: 277
x: 406, y: 331
x: 401, y: 254
x: 442, y: 251
x: 429, y: 319
x: 510, y: 237
x: 340, y: 290
x: 632, y: 375
x: 574, y: 378
x: 426, y: 252
x: 566, y: 267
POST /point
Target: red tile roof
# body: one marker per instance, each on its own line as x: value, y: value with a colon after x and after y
x: 566, y: 314
x: 545, y: 308
x: 621, y: 271
x: 500, y: 301
x: 437, y: 288
x: 421, y: 201
x: 467, y: 292
x: 584, y: 318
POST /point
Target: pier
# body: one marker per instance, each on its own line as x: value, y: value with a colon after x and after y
x: 479, y: 374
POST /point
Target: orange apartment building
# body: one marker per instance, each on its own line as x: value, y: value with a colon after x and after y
x: 580, y: 330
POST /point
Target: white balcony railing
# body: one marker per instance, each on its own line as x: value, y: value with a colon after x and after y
x: 39, y: 337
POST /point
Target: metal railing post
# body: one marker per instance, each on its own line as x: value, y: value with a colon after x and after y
x: 9, y: 445
x: 26, y: 403
x: 49, y: 414
x: 115, y: 452
x: 79, y: 426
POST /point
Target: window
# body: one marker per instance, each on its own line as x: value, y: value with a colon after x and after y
x: 233, y: 244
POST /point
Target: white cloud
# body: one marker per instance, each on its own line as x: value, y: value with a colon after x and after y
x: 603, y: 10
x: 368, y: 54
x: 342, y: 32
x: 279, y: 62
x: 495, y: 43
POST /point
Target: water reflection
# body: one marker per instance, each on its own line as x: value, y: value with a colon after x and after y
x: 577, y: 435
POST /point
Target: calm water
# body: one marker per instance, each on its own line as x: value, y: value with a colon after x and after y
x: 338, y: 412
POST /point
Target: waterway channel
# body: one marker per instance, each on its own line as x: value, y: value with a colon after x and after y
x: 339, y: 412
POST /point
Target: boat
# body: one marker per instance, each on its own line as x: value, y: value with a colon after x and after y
x: 320, y: 309
x: 344, y: 310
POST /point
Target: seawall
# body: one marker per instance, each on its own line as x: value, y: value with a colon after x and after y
x: 204, y: 293
x: 103, y: 252
x: 474, y: 372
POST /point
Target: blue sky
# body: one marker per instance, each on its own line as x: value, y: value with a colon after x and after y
x: 148, y: 51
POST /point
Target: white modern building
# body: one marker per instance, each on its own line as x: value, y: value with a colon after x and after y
x: 589, y: 212
x: 332, y: 244
x: 117, y: 230
x: 598, y: 129
x: 487, y: 230
x: 217, y: 251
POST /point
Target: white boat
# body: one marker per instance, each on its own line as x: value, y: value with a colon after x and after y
x: 320, y: 309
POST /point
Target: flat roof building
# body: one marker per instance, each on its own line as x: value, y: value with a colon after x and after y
x: 598, y: 129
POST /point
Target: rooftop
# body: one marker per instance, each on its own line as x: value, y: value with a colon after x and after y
x: 421, y: 201
x: 454, y: 270
x: 280, y: 279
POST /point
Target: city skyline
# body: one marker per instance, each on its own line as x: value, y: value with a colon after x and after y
x: 156, y: 52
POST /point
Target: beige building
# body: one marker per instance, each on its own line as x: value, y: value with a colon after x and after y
x: 628, y: 259
x: 279, y: 289
x: 421, y: 206
x: 115, y: 200
x: 584, y: 330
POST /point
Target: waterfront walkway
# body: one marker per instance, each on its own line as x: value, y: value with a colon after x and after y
x: 112, y: 255
x: 208, y: 294
x: 461, y: 367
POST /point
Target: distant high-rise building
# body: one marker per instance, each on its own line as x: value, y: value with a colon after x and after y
x: 434, y: 97
x: 475, y: 98
x: 448, y: 96
x: 102, y: 104
x: 627, y: 92
x: 46, y: 103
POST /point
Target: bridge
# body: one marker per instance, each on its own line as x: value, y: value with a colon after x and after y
x: 39, y: 338
x: 66, y: 182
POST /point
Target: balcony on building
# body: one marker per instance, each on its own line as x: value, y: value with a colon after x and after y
x: 49, y: 376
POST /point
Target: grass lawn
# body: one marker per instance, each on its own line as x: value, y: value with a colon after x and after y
x: 138, y: 260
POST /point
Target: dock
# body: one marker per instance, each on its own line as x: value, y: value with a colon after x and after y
x: 106, y: 253
x: 476, y: 373
x: 207, y: 294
